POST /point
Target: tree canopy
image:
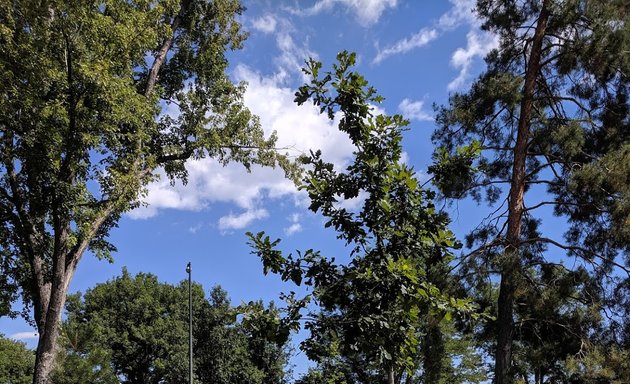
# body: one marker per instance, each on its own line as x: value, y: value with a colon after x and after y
x: 16, y: 362
x: 370, y: 306
x: 545, y: 125
x: 84, y: 90
x: 134, y: 329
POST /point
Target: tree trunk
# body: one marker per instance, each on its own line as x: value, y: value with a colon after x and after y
x: 48, y: 322
x: 434, y: 352
x: 391, y: 376
x: 505, y: 316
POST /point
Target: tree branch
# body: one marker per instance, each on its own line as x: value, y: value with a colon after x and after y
x: 575, y: 249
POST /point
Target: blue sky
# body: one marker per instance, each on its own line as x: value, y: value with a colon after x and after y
x: 414, y: 52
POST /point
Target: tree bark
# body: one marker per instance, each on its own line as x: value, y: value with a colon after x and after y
x: 505, y: 315
x: 391, y: 376
x: 48, y: 334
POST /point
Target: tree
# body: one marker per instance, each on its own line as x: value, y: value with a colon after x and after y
x: 135, y: 329
x: 370, y: 306
x: 230, y: 351
x: 81, y: 357
x: 16, y: 362
x: 84, y: 87
x: 141, y: 323
x: 551, y: 110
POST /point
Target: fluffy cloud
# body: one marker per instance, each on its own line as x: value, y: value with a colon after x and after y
x: 242, y: 220
x: 478, y: 45
x: 461, y: 12
x: 367, y: 12
x: 291, y: 58
x: 299, y: 129
x: 265, y: 24
x: 295, y: 226
x: 414, y: 110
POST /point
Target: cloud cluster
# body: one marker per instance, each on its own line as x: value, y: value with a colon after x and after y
x: 367, y: 12
x: 295, y: 226
x: 299, y: 129
x: 265, y: 24
x: 417, y: 40
x: 478, y: 46
x: 414, y: 110
x: 479, y: 43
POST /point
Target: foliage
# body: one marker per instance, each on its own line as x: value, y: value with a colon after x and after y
x: 16, y: 362
x: 549, y: 118
x: 135, y: 328
x: 97, y: 99
x: 370, y: 306
x: 81, y: 356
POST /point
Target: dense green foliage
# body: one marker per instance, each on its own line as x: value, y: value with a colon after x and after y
x: 16, y: 362
x: 546, y: 125
x: 87, y: 94
x: 84, y: 89
x: 135, y: 329
x: 373, y: 306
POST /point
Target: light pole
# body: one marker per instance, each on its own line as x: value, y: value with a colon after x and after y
x: 190, y: 336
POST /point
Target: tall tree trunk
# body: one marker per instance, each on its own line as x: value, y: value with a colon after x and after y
x: 391, y: 376
x: 48, y: 334
x: 505, y: 316
x: 48, y: 320
x: 50, y: 298
x: 434, y: 352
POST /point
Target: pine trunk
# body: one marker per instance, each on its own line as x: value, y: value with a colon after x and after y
x: 505, y: 315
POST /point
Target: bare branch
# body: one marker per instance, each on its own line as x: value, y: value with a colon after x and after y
x: 575, y: 249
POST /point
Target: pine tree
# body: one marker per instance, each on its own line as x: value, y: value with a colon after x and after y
x: 551, y: 110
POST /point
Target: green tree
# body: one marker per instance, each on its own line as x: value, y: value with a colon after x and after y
x: 81, y: 356
x: 135, y: 329
x: 83, y: 91
x: 550, y: 111
x: 371, y: 305
x: 230, y: 352
x: 16, y: 362
x: 141, y: 323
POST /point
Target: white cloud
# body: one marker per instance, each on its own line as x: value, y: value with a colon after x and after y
x: 420, y: 39
x: 299, y: 129
x: 292, y: 56
x: 24, y: 335
x: 404, y: 158
x: 242, y: 220
x: 265, y: 24
x: 195, y: 228
x: 460, y: 13
x: 478, y: 45
x: 414, y: 110
x: 367, y: 12
x: 295, y: 226
x: 353, y: 204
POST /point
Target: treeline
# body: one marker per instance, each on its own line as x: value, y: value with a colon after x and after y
x: 544, y: 131
x: 134, y: 329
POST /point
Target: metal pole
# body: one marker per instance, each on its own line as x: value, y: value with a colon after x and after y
x: 190, y: 314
